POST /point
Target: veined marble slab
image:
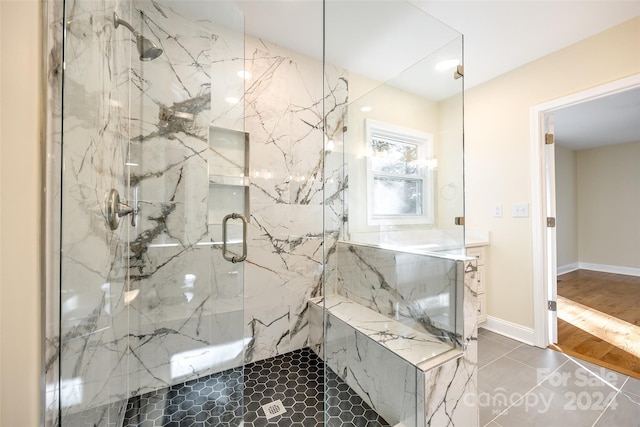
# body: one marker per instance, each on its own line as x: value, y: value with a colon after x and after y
x: 450, y: 389
x: 381, y: 378
x: 417, y: 290
x: 413, y: 346
x: 446, y: 385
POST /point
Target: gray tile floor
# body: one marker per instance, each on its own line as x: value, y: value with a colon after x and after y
x: 522, y: 386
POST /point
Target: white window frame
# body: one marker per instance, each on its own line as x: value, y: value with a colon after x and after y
x: 424, y: 143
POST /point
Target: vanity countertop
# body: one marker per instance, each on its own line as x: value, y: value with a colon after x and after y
x: 475, y: 238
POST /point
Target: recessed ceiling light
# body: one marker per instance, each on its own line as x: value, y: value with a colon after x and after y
x: 366, y: 109
x: 231, y: 100
x: 244, y: 74
x: 447, y: 64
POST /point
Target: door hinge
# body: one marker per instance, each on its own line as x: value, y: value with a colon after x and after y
x: 551, y: 222
x: 459, y: 72
x: 549, y: 138
x: 552, y: 305
x: 459, y: 220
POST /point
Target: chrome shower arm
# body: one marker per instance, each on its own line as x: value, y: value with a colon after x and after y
x: 146, y: 48
x: 117, y: 22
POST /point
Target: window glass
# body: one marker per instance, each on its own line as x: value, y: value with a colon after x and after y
x: 400, y: 175
x: 397, y: 196
x: 394, y: 157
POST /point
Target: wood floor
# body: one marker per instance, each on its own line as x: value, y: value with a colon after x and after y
x: 599, y: 319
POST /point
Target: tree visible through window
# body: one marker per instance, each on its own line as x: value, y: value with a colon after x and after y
x: 399, y: 182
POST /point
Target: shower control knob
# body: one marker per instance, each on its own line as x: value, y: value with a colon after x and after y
x: 114, y: 210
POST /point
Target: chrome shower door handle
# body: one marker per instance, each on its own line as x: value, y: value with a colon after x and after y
x: 225, y: 255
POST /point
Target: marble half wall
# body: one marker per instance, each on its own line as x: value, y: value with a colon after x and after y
x: 451, y: 389
x: 440, y: 391
x: 415, y: 289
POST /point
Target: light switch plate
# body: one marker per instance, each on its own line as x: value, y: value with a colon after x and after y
x: 520, y: 210
x: 496, y: 210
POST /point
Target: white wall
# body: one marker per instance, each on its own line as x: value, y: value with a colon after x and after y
x: 497, y: 153
x: 392, y: 106
x: 442, y: 119
x: 608, y: 183
x: 566, y: 207
x: 598, y: 207
x: 20, y: 309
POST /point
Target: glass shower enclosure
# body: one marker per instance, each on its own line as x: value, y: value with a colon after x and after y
x: 242, y: 200
x: 393, y: 289
x: 154, y: 205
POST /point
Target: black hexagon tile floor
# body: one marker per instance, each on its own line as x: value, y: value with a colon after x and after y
x: 292, y: 382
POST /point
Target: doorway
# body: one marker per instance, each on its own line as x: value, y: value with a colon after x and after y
x: 543, y: 206
x: 598, y: 319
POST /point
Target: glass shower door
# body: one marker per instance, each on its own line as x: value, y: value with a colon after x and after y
x: 93, y: 337
x: 186, y: 324
x: 151, y: 301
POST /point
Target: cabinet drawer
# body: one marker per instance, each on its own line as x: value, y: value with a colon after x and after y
x: 476, y: 253
x: 480, y: 275
x: 482, y: 308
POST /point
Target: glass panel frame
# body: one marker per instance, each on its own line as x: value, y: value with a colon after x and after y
x: 151, y: 303
x: 376, y: 259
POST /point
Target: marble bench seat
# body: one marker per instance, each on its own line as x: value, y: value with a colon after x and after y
x: 383, y: 360
x: 413, y: 346
x: 412, y: 376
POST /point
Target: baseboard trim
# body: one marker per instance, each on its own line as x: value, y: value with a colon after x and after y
x: 568, y: 268
x: 603, y: 268
x: 511, y: 330
x: 628, y: 271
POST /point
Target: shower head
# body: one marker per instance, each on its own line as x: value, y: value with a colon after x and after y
x: 146, y: 48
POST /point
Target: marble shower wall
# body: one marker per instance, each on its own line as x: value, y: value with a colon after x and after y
x: 187, y: 319
x: 153, y: 303
x: 284, y: 117
x: 183, y: 320
x: 137, y: 304
x: 53, y: 114
x: 93, y: 258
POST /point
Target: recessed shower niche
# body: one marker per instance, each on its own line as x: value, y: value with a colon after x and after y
x: 345, y: 317
x: 229, y: 180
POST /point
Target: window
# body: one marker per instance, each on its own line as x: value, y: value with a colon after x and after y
x: 399, y: 179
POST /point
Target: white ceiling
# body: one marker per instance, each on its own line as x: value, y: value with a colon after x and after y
x: 614, y: 119
x: 499, y: 36
x: 513, y: 33
x: 363, y: 37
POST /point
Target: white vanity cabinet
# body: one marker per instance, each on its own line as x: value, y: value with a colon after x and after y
x: 480, y: 252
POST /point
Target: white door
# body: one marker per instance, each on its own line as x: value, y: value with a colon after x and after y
x: 551, y: 268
